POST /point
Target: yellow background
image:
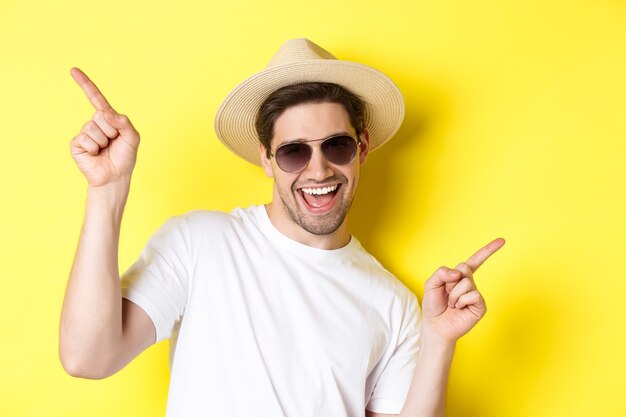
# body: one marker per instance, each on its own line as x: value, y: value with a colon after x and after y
x: 515, y: 127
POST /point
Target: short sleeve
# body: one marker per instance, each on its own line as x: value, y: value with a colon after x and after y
x: 393, y: 384
x: 158, y: 281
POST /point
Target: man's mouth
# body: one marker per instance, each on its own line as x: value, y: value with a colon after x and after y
x: 319, y: 199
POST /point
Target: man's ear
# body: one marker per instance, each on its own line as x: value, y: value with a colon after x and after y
x: 265, y: 162
x: 364, y: 148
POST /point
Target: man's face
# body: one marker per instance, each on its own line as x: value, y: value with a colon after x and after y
x: 318, y: 197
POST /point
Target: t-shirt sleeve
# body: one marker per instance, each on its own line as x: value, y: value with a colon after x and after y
x: 393, y: 384
x: 158, y: 281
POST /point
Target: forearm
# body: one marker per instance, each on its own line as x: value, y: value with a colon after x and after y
x: 427, y: 393
x: 91, y: 319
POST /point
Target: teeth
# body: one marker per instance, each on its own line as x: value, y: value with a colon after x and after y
x: 320, y: 191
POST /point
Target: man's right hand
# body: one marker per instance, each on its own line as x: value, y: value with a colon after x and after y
x: 100, y: 332
x: 105, y: 150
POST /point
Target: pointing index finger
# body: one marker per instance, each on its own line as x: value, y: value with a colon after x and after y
x: 485, y: 252
x: 92, y: 92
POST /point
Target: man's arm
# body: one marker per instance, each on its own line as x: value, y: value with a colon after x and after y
x: 427, y: 392
x: 99, y: 331
x: 451, y: 307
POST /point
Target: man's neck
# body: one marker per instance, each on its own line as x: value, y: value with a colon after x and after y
x: 283, y: 223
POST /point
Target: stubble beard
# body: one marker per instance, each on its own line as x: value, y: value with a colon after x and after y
x: 317, y: 225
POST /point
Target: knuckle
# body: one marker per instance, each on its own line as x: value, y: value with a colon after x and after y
x: 464, y: 267
x: 84, y: 138
x: 99, y: 117
x: 88, y: 143
x: 90, y: 126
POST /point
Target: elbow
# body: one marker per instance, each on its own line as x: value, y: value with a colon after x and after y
x: 79, y: 368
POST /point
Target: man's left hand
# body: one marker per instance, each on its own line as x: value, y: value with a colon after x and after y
x: 452, y: 304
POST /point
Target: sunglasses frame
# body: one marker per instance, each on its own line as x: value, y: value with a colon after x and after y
x: 306, y: 142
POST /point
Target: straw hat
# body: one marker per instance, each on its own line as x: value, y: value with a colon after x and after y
x: 297, y: 61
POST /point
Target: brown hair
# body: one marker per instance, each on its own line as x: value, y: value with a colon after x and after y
x: 310, y: 92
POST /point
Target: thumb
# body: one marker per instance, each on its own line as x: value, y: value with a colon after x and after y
x: 442, y: 276
x: 120, y: 122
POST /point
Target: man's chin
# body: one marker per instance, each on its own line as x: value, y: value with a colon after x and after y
x: 324, y: 223
x: 320, y: 226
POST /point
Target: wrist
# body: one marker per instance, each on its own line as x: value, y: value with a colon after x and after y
x: 113, y: 190
x: 430, y: 341
x: 436, y: 352
x: 110, y: 197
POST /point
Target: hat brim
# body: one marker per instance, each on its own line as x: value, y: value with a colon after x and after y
x: 236, y: 117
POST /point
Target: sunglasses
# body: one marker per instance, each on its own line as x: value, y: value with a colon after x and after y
x: 295, y: 156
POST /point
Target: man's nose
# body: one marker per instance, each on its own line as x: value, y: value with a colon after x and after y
x: 318, y: 168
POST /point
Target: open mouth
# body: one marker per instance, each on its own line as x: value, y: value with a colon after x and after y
x: 319, y: 199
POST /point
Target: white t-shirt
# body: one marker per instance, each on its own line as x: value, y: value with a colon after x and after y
x: 264, y: 326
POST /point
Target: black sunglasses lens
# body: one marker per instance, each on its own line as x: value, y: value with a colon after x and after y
x: 339, y: 150
x: 293, y: 156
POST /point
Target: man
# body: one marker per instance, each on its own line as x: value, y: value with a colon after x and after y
x: 272, y: 310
